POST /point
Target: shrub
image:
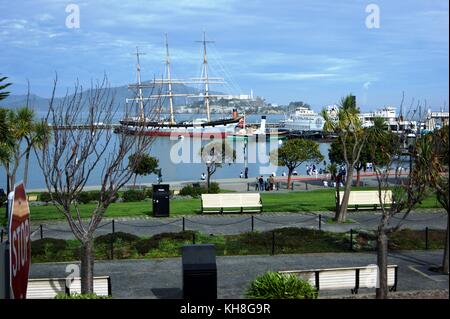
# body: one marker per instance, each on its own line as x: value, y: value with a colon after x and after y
x: 80, y: 296
x: 190, y: 190
x: 45, y: 197
x: 133, y: 195
x: 118, y: 236
x: 214, y: 188
x: 143, y: 246
x: 94, y: 196
x: 273, y: 285
x: 48, y: 245
x: 84, y: 197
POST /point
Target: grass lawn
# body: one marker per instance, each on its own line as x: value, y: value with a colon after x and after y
x: 296, y: 201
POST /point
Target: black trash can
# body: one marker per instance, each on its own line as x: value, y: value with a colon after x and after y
x: 161, y: 200
x: 199, y: 272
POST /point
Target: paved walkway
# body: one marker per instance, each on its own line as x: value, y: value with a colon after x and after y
x: 235, y: 224
x: 162, y: 278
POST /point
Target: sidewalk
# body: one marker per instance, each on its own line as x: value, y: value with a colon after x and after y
x: 235, y: 224
x: 162, y: 278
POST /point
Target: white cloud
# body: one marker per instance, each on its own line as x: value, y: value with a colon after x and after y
x: 366, y: 85
x: 290, y: 76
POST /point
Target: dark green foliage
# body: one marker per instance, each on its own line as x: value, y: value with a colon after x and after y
x: 273, y: 285
x: 118, y: 236
x: 214, y: 188
x: 84, y: 197
x: 143, y: 164
x: 190, y: 190
x: 45, y: 197
x: 133, y: 195
x: 143, y: 246
x: 45, y: 245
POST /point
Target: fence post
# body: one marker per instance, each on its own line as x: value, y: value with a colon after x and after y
x: 41, y: 230
x: 193, y: 238
x: 1, y: 237
x: 113, y: 237
x: 351, y: 239
x: 253, y: 223
x: 184, y: 225
x: 248, y: 187
x: 426, y: 238
x: 320, y: 221
x: 273, y: 242
x: 306, y: 185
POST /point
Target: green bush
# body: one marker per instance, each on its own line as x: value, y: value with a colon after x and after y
x: 118, y: 236
x: 143, y: 246
x: 48, y: 245
x: 84, y: 197
x: 214, y: 188
x: 80, y: 296
x: 133, y: 195
x: 45, y: 197
x: 190, y: 190
x: 273, y: 285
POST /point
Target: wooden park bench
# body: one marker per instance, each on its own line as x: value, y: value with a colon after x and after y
x: 32, y: 198
x: 48, y: 288
x: 367, y: 198
x: 231, y: 202
x: 352, y: 278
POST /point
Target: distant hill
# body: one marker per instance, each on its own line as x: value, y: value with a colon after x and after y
x: 121, y: 93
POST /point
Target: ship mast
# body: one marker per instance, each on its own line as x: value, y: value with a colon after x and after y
x: 139, y: 86
x: 169, y: 82
x: 204, y: 77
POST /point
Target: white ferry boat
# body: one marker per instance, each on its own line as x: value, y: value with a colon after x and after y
x: 304, y: 120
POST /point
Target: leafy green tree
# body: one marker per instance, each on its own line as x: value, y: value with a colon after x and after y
x: 435, y: 171
x: 24, y: 134
x: 142, y: 165
x: 382, y: 142
x: 4, y: 94
x: 295, y: 152
x: 214, y: 154
x: 348, y: 127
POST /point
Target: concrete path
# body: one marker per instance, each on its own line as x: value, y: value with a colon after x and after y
x: 235, y: 224
x: 162, y: 278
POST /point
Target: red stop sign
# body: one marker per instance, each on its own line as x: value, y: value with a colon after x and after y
x: 19, y: 239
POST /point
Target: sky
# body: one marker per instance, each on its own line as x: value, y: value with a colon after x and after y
x: 316, y: 51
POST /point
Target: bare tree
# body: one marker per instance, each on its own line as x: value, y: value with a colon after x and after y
x: 78, y: 147
x: 402, y: 194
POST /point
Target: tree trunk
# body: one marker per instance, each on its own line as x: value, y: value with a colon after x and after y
x: 289, y: 180
x: 382, y: 256
x: 87, y: 268
x: 338, y: 195
x: 445, y: 261
x: 134, y: 180
x: 208, y: 178
x: 25, y: 169
x: 342, y: 215
x: 358, y: 176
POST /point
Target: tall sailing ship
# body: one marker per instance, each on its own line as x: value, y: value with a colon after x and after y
x: 200, y: 127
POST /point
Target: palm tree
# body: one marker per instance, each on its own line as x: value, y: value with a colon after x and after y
x: 347, y: 125
x: 39, y: 135
x: 4, y: 94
